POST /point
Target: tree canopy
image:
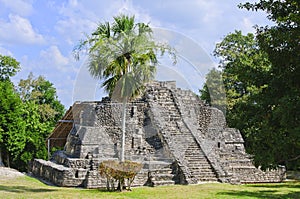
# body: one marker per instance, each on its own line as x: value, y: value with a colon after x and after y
x: 28, y: 114
x: 42, y: 93
x: 281, y: 42
x: 8, y: 67
x: 261, y: 75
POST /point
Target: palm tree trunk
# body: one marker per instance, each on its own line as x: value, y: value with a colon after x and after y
x: 123, y: 131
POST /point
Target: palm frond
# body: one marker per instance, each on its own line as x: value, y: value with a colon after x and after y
x: 124, y: 55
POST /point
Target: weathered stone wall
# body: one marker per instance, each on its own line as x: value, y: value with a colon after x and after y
x: 57, y: 174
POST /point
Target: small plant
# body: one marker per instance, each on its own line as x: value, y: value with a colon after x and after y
x: 116, y: 171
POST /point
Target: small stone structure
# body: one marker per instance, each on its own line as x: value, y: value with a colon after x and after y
x: 178, y: 138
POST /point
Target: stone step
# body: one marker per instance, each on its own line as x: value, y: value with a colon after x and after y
x: 201, y: 175
x: 204, y: 174
x: 201, y: 169
x: 162, y: 171
x: 195, y: 158
x: 199, y: 164
x: 163, y: 182
x: 207, y: 180
x: 243, y: 167
x: 160, y: 159
x: 196, y: 151
x: 194, y: 155
x: 162, y: 177
x: 236, y: 160
x: 193, y: 170
x: 179, y: 133
x: 197, y: 161
x: 154, y: 165
x: 193, y: 147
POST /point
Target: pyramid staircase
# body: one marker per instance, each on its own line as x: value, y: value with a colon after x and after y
x: 199, y: 165
x: 179, y: 139
x: 162, y: 176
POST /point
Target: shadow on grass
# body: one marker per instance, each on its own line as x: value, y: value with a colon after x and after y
x: 23, y: 189
x: 261, y: 194
x: 104, y: 190
x: 291, y: 185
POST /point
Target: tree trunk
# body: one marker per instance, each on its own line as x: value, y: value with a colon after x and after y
x: 1, y: 162
x: 122, y: 158
x: 7, y: 160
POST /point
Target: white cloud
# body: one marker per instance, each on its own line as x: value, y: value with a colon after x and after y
x: 127, y: 7
x: 53, y: 57
x: 72, y: 29
x: 78, y: 17
x: 62, y: 23
x: 247, y: 25
x: 211, y: 10
x: 74, y: 20
x: 19, y: 30
x: 20, y: 7
x: 5, y: 52
x: 73, y: 3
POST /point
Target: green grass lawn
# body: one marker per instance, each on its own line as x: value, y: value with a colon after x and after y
x: 27, y: 187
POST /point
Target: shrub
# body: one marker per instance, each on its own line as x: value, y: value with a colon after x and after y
x: 114, y: 170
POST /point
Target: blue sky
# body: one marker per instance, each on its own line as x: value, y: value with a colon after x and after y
x: 41, y: 35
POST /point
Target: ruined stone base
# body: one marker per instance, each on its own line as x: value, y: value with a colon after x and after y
x: 84, y: 173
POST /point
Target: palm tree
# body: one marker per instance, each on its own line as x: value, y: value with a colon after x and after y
x: 124, y: 55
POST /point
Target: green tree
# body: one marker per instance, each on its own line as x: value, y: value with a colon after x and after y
x: 8, y: 67
x: 281, y: 42
x: 246, y: 76
x: 213, y: 92
x: 124, y: 55
x: 42, y: 93
x: 36, y: 132
x: 1, y: 161
x: 41, y: 111
x: 28, y: 113
x: 256, y: 104
x: 13, y: 135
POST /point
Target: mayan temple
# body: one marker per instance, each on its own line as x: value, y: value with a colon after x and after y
x: 177, y: 138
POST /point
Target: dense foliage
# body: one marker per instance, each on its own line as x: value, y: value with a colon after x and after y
x: 261, y: 74
x: 28, y: 113
x: 13, y: 136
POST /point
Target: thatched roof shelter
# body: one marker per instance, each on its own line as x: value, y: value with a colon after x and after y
x: 61, y: 131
